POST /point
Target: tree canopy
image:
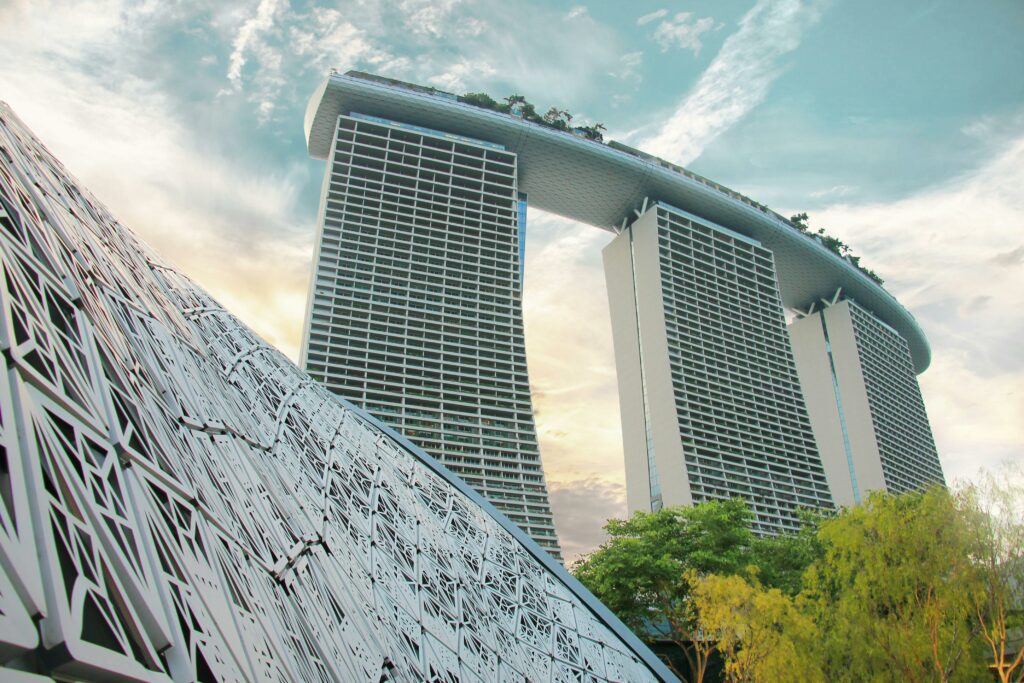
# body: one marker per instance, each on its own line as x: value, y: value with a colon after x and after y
x: 923, y: 586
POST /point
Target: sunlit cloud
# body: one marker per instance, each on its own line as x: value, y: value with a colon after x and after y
x: 737, y: 80
x: 953, y: 255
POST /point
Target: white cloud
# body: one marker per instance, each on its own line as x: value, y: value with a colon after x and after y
x: 576, y: 12
x: 834, y: 192
x: 428, y: 17
x: 454, y: 77
x: 248, y: 37
x: 128, y: 142
x: 953, y: 255
x: 737, y: 80
x: 629, y: 67
x: 681, y: 32
x: 648, y: 18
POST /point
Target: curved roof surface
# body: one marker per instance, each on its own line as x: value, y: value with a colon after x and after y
x: 600, y: 184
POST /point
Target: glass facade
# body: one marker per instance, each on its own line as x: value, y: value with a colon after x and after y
x: 902, y: 431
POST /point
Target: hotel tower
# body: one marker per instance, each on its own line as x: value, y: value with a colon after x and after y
x: 415, y: 312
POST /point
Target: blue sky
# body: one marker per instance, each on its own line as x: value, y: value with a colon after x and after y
x: 899, y: 126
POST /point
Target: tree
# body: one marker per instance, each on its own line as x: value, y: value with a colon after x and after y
x: 800, y: 221
x: 896, y: 578
x: 782, y: 560
x: 558, y: 118
x: 594, y: 132
x: 760, y: 633
x: 480, y: 99
x: 994, y: 511
x: 643, y: 573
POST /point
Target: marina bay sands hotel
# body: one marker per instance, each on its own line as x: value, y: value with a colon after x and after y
x: 415, y: 314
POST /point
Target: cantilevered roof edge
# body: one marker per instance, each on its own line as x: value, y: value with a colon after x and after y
x: 600, y: 185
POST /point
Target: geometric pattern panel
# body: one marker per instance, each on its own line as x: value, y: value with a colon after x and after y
x: 179, y: 502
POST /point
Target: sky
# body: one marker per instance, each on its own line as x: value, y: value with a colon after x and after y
x: 898, y: 126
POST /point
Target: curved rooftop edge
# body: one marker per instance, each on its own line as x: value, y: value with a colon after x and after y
x: 601, y: 184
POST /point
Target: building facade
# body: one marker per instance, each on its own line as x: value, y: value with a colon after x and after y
x: 415, y: 308
x: 710, y: 400
x: 181, y: 503
x: 864, y: 400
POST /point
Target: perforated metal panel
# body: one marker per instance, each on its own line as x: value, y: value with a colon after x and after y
x: 180, y: 502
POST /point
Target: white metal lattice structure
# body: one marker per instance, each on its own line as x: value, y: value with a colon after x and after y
x: 181, y: 503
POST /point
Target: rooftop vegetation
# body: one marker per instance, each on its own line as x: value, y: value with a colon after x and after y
x: 517, y: 105
x: 833, y: 244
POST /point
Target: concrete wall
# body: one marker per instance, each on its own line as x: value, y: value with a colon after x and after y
x: 638, y: 318
x: 812, y: 363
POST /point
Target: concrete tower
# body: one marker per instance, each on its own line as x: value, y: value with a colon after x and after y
x: 864, y: 401
x: 416, y: 303
x: 710, y: 401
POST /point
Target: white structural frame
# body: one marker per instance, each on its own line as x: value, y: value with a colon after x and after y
x: 181, y: 503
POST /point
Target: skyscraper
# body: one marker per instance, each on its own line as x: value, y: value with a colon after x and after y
x: 416, y: 303
x: 865, y: 404
x: 697, y: 299
x: 710, y: 401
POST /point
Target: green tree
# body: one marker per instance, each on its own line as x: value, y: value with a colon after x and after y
x: 643, y: 572
x: 892, y: 593
x: 594, y: 132
x: 759, y: 631
x: 782, y: 560
x: 800, y: 221
x: 558, y: 118
x: 994, y: 511
x: 480, y: 99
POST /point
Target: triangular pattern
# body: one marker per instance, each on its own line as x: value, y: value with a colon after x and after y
x: 179, y: 502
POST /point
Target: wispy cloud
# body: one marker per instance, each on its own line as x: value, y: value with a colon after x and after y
x: 834, y: 192
x: 248, y: 37
x: 648, y: 18
x: 234, y: 228
x: 682, y: 31
x: 738, y: 78
x: 629, y: 67
x: 576, y: 12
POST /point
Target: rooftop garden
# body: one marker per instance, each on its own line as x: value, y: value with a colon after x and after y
x: 833, y: 244
x: 516, y: 105
x: 562, y: 120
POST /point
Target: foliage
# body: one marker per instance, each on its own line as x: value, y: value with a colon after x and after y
x: 759, y: 631
x: 782, y: 560
x: 833, y: 244
x: 994, y: 511
x: 923, y: 586
x: 644, y: 572
x: 895, y: 578
x: 517, y: 105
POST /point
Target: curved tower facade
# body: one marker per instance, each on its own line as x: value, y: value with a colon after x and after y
x: 415, y: 308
